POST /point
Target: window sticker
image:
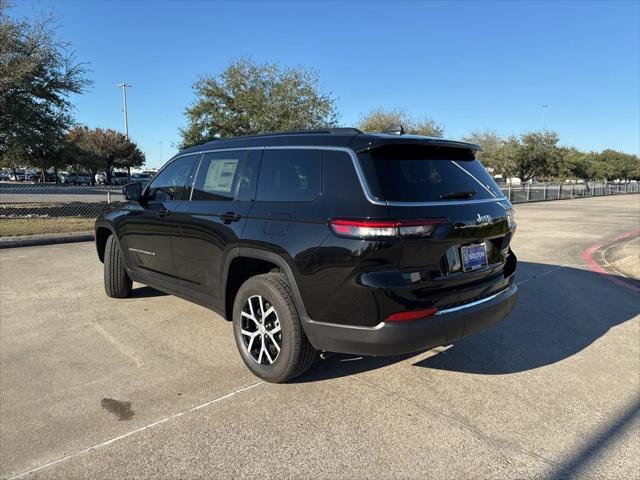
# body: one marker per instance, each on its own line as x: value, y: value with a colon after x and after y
x: 220, y: 176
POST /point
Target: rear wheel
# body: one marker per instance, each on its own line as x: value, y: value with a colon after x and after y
x: 117, y: 283
x: 267, y: 329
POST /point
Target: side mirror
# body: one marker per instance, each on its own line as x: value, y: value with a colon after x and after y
x: 132, y: 191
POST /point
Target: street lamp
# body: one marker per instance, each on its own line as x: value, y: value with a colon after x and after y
x: 544, y: 111
x: 124, y: 87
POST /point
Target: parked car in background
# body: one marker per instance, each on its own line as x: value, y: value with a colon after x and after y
x: 21, y: 176
x: 49, y: 176
x: 142, y: 178
x: 18, y: 176
x: 119, y: 178
x: 75, y: 178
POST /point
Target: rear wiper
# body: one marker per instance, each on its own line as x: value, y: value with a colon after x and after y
x: 455, y: 195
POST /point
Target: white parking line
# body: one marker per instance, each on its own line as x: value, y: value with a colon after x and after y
x: 121, y: 348
x: 133, y: 432
x: 16, y: 257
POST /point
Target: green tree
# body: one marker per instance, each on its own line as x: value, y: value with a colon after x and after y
x: 576, y: 164
x: 428, y: 127
x: 12, y: 159
x: 537, y: 155
x: 47, y: 151
x: 103, y: 149
x: 37, y: 75
x: 378, y: 120
x: 615, y: 165
x: 498, y: 153
x: 249, y: 98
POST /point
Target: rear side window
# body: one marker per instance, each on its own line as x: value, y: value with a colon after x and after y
x: 404, y: 173
x: 174, y: 182
x: 218, y: 176
x: 289, y: 175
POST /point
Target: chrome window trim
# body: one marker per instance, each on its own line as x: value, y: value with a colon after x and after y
x: 163, y: 167
x: 490, y: 191
x: 359, y: 173
x: 444, y: 202
x: 195, y: 176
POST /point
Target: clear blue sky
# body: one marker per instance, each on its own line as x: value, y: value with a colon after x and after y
x: 469, y: 65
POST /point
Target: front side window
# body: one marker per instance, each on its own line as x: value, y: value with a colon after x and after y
x: 218, y: 176
x: 174, y: 182
x: 289, y: 175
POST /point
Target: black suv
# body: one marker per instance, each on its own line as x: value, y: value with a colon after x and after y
x: 330, y: 240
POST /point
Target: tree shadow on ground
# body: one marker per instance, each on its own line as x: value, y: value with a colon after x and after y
x: 578, y: 463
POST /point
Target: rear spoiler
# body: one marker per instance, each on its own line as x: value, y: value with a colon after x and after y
x: 377, y: 141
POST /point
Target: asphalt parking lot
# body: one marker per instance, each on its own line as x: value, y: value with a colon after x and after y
x: 152, y: 386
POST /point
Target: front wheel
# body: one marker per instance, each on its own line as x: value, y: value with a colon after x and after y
x: 267, y: 329
x: 117, y: 283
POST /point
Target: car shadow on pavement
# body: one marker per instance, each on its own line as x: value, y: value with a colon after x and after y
x: 146, y: 292
x: 560, y: 311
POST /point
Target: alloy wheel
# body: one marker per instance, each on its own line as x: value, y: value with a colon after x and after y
x: 260, y: 329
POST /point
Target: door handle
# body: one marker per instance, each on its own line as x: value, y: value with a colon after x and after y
x: 163, y: 212
x: 229, y: 217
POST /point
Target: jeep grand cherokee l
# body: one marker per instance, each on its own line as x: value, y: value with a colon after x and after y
x: 334, y: 240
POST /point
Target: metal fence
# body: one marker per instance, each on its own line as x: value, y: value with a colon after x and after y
x: 537, y: 192
x: 27, y: 208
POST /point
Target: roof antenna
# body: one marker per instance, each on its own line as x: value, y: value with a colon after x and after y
x: 394, y: 130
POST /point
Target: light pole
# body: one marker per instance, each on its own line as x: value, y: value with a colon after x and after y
x: 124, y: 87
x: 544, y: 112
x: 160, y: 152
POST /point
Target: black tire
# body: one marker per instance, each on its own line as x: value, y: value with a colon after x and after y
x: 296, y: 354
x: 117, y: 283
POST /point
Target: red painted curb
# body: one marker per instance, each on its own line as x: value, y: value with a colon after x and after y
x: 587, y: 255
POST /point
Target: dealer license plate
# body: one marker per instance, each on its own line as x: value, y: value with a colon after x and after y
x: 474, y: 257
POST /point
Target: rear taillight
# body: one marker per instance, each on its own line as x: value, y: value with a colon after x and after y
x: 411, y: 315
x: 385, y: 228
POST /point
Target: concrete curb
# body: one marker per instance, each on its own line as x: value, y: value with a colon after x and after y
x: 588, y: 254
x: 46, y: 239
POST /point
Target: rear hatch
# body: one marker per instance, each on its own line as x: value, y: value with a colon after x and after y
x: 467, y: 256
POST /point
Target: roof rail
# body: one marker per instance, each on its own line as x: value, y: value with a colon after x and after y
x: 322, y: 131
x: 311, y: 132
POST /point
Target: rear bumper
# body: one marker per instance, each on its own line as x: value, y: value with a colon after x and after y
x: 397, y: 338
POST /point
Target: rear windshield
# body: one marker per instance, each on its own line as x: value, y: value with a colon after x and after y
x: 406, y: 173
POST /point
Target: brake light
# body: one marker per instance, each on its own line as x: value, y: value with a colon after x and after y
x: 385, y: 228
x: 412, y: 315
